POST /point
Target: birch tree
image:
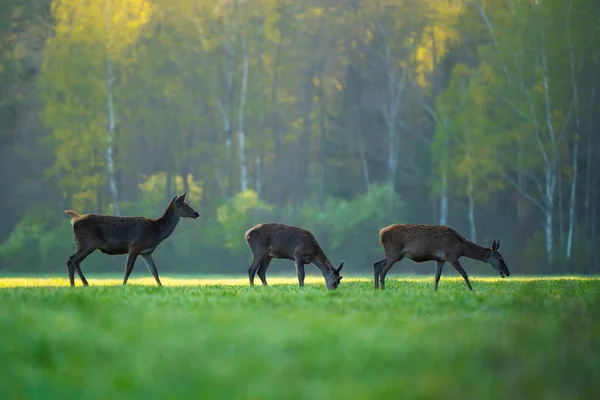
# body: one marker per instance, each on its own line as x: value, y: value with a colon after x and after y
x: 76, y: 72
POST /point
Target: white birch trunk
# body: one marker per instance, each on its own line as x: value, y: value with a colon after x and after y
x: 261, y: 115
x: 444, y: 164
x: 392, y: 162
x: 110, y: 132
x: 226, y: 107
x: 572, y: 199
x: 550, y: 163
x: 241, y: 136
x: 472, y: 226
x: 257, y: 175
x: 576, y: 143
x: 390, y: 109
x: 112, y: 181
x: 589, y: 189
x: 549, y: 211
x: 444, y: 199
x: 227, y: 134
x: 364, y: 163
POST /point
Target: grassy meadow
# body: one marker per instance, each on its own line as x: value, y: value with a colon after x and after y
x: 517, y: 338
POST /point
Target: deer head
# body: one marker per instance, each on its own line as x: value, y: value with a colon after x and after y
x: 332, y: 280
x: 497, y: 261
x: 182, y: 209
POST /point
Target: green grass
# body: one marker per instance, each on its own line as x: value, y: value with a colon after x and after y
x: 515, y: 338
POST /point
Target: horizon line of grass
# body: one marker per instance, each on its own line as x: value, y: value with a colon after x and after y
x: 213, y: 280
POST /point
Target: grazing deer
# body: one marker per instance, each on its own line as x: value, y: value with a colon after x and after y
x: 134, y: 236
x: 271, y: 240
x: 420, y: 243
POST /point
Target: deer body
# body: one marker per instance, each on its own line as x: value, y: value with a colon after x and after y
x: 421, y: 243
x: 272, y: 240
x: 134, y: 236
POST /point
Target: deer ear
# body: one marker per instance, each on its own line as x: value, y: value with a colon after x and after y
x: 174, y: 199
x: 494, y: 246
x: 340, y: 267
x: 181, y: 198
x: 497, y: 244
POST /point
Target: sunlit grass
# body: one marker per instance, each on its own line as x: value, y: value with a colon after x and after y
x: 216, y: 337
x: 14, y: 282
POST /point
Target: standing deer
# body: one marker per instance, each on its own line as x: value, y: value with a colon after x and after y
x: 272, y: 240
x: 134, y: 236
x: 420, y: 243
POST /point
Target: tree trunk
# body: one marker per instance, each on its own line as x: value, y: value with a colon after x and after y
x: 594, y: 226
x: 551, y: 161
x: 392, y: 152
x: 443, y: 206
x: 561, y: 229
x: 112, y: 180
x: 241, y: 136
x: 472, y: 226
x: 258, y: 186
x: 322, y: 141
x: 277, y: 132
x: 227, y: 106
x: 572, y: 197
x: 590, y: 172
x: 444, y: 198
x: 576, y: 142
x: 168, y: 184
x: 364, y: 161
x: 549, y: 210
x: 304, y: 151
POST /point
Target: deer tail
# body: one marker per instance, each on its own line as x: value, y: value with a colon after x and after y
x: 72, y: 213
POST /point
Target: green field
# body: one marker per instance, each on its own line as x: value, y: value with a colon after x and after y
x: 515, y: 338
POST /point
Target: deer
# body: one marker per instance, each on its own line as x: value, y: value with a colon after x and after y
x: 134, y: 236
x: 273, y: 240
x: 439, y: 243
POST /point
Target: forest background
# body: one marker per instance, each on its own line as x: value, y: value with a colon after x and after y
x: 339, y: 116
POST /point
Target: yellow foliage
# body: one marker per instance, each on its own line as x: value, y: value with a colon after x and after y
x: 114, y: 24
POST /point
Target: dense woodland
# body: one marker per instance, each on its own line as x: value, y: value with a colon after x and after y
x: 340, y: 116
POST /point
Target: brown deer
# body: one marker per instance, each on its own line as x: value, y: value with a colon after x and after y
x: 272, y: 240
x: 134, y: 236
x: 420, y: 243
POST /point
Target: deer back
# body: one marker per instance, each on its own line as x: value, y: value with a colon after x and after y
x: 114, y: 235
x: 421, y: 239
x: 281, y: 241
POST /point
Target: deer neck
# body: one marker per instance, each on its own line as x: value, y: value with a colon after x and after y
x: 166, y: 224
x: 475, y: 252
x: 323, y: 264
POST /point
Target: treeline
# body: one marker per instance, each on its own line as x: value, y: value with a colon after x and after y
x: 339, y: 116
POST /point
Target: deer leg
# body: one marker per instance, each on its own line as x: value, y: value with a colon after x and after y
x: 73, y: 264
x: 386, y: 268
x: 300, y: 272
x: 131, y: 257
x: 438, y: 273
x: 252, y: 270
x: 262, y: 270
x: 151, y: 267
x: 81, y: 277
x: 377, y: 270
x: 456, y: 265
x: 71, y: 271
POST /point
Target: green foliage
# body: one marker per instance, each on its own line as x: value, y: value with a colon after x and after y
x: 23, y: 244
x: 345, y: 223
x: 237, y: 216
x: 211, y: 341
x: 152, y: 190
